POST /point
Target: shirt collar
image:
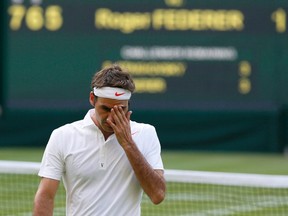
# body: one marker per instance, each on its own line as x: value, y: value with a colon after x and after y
x: 87, y: 121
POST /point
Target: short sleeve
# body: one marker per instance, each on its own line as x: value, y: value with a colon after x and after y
x: 152, y: 147
x: 52, y: 165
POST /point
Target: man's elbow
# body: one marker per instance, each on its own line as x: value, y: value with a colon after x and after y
x: 159, y: 196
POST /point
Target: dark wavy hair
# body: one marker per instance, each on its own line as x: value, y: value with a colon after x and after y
x: 113, y: 76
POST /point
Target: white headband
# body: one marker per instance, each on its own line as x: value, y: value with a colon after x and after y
x: 112, y: 93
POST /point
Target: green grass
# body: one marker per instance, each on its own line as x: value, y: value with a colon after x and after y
x: 227, y: 162
x: 206, y: 200
x: 181, y: 199
x: 21, y: 154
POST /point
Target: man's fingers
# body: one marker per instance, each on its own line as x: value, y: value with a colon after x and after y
x: 128, y: 115
x: 111, y: 123
x: 118, y: 114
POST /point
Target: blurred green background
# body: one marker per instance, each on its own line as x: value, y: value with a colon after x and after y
x: 231, y: 95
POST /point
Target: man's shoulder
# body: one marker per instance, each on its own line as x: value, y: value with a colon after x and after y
x: 141, y: 126
x: 69, y: 127
x: 76, y: 125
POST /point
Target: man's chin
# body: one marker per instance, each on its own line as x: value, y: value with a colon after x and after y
x: 110, y: 130
x: 107, y: 128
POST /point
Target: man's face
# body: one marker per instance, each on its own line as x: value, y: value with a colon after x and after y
x: 103, y: 108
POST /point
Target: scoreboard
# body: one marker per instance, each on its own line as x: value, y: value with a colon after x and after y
x: 182, y: 54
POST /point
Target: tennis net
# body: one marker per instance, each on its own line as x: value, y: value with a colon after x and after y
x: 188, y: 193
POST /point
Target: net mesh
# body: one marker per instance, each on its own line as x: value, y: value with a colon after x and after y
x: 188, y: 193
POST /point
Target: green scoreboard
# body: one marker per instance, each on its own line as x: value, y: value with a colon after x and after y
x: 183, y: 54
x: 209, y: 74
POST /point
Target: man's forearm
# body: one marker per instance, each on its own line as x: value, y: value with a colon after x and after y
x: 43, y: 206
x: 152, y: 181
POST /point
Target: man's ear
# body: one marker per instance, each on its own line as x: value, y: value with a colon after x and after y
x: 92, y: 99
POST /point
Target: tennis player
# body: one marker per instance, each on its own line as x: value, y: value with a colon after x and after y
x: 106, y: 160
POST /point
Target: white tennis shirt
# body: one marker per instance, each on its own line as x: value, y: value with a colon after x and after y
x: 97, y: 175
